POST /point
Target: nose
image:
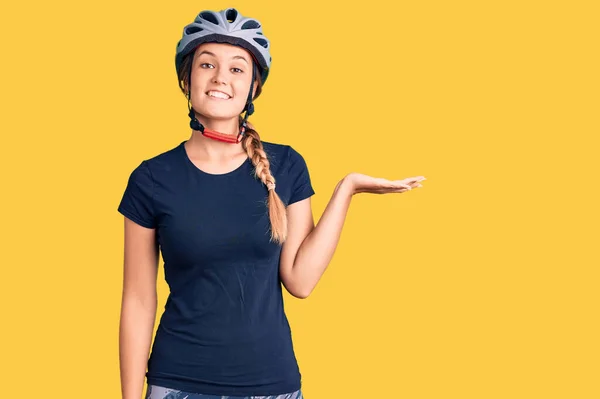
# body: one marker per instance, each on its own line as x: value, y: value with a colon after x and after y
x: 219, y: 77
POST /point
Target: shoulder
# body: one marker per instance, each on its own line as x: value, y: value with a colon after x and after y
x: 278, y: 154
x: 284, y: 153
x: 165, y: 155
x: 274, y: 148
x: 164, y: 161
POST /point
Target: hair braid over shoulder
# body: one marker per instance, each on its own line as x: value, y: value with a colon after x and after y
x: 277, y: 212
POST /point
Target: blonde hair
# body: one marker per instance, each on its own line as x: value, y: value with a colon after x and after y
x: 253, y: 146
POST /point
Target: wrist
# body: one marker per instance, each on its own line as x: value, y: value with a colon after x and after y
x: 346, y: 185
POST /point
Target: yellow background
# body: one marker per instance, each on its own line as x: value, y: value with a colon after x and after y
x: 481, y: 284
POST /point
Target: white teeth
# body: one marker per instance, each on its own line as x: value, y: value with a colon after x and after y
x: 218, y: 95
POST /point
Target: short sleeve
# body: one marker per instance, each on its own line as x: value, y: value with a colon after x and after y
x: 137, y: 202
x: 299, y: 177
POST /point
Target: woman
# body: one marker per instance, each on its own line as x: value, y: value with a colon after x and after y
x: 233, y: 220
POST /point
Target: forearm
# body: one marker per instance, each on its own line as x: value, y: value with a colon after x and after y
x: 135, y: 338
x: 317, y: 249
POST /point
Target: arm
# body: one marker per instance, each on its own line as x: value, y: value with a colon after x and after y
x: 302, y: 270
x: 308, y: 249
x: 138, y: 307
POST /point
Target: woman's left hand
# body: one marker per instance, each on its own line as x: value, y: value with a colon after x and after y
x: 367, y: 184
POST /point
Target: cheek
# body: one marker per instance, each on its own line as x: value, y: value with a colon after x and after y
x: 241, y: 94
x: 242, y: 89
x: 199, y: 78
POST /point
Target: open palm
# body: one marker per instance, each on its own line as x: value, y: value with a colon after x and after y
x: 368, y: 184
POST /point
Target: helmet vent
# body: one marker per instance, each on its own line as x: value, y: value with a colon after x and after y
x: 231, y: 14
x: 251, y: 24
x: 193, y: 29
x: 262, y: 42
x: 209, y: 16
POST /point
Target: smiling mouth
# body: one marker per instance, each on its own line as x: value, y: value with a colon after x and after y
x: 217, y: 95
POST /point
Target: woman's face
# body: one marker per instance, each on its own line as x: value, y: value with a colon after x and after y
x: 224, y: 68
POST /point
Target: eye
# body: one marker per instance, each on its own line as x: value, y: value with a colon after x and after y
x: 238, y: 69
x: 202, y: 65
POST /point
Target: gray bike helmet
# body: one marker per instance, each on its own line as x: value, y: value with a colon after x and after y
x: 226, y: 26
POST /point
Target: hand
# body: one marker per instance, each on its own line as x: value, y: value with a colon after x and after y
x: 367, y: 184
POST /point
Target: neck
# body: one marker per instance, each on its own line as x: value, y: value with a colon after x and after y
x: 226, y: 126
x: 210, y: 149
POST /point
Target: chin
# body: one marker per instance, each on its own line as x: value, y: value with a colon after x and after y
x: 218, y: 112
x: 218, y: 115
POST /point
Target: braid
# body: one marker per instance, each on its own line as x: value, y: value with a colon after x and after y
x: 262, y: 171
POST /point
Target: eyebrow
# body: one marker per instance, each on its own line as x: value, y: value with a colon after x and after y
x: 234, y: 57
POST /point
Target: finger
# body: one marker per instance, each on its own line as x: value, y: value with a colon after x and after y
x: 416, y: 183
x: 416, y: 179
x: 405, y: 182
x: 400, y: 183
x: 413, y: 180
x: 402, y: 189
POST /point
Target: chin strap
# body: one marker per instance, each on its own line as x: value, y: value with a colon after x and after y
x: 213, y: 134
